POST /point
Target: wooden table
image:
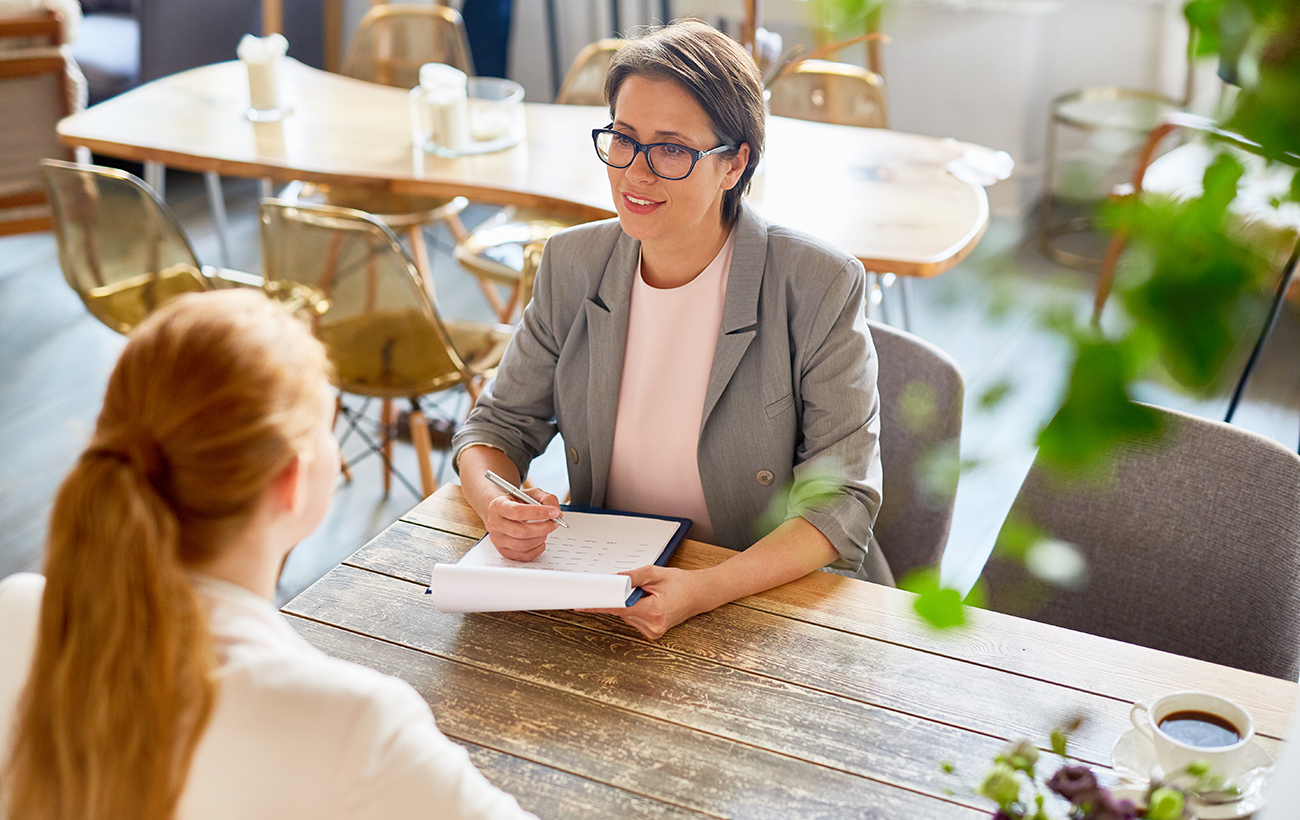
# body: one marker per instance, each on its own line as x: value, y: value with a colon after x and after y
x: 880, y: 195
x: 821, y: 698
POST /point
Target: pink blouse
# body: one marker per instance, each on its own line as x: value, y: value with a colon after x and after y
x: 671, y: 337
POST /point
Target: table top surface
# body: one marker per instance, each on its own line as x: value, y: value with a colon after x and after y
x: 883, y: 196
x: 823, y: 697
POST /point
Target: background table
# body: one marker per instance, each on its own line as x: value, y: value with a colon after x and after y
x: 823, y: 697
x: 881, y: 195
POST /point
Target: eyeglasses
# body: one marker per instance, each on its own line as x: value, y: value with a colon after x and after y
x: 667, y: 160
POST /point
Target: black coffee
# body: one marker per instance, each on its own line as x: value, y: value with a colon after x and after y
x: 1200, y: 729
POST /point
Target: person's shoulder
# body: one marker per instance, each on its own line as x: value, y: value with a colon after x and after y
x: 593, y: 240
x: 21, y: 586
x: 20, y: 597
x: 315, y: 681
x: 791, y: 245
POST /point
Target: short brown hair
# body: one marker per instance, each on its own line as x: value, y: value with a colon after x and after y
x: 716, y: 71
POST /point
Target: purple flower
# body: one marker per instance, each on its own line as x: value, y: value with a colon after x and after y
x: 1106, y: 807
x: 1075, y: 783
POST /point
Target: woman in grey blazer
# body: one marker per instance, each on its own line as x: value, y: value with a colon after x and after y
x: 695, y: 358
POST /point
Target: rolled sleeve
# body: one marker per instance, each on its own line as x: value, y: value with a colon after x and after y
x: 841, y: 418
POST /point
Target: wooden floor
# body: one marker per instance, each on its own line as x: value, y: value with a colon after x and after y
x: 55, y: 359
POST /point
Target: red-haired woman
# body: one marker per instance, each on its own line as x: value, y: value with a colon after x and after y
x: 148, y: 675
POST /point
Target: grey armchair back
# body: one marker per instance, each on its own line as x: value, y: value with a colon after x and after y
x: 1192, y: 546
x: 921, y: 392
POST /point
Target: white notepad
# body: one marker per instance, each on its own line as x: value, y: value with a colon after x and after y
x: 578, y: 570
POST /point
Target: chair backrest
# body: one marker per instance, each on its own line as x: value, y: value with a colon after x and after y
x: 120, y: 247
x: 392, y: 42
x: 837, y: 93
x: 585, y: 82
x: 921, y: 393
x: 36, y: 78
x: 1192, y: 546
x: 379, y: 324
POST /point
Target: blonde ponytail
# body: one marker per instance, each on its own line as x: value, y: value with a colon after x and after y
x: 213, y: 396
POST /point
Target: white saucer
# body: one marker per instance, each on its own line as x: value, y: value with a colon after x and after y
x: 1134, y: 761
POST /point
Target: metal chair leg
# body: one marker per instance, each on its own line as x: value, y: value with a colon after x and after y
x: 905, y: 299
x: 1284, y: 283
x: 155, y: 176
x: 874, y: 296
x: 217, y: 201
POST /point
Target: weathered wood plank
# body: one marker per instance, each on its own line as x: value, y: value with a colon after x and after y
x: 649, y: 757
x: 763, y: 711
x: 876, y: 673
x: 882, y: 674
x: 548, y: 792
x: 1076, y: 660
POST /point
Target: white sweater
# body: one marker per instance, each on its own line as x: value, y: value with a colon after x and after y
x: 294, y: 733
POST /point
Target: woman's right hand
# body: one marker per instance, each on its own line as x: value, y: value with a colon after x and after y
x: 519, y: 530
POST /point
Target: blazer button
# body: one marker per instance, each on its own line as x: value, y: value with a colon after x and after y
x: 572, y: 453
x: 765, y: 477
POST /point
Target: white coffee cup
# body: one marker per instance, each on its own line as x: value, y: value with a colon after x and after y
x: 1176, y: 746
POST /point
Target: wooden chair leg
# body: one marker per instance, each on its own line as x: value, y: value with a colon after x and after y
x: 343, y: 462
x: 387, y: 418
x: 474, y: 387
x: 420, y: 250
x: 458, y: 230
x: 423, y: 449
x: 494, y: 300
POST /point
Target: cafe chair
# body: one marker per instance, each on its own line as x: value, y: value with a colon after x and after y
x: 585, y: 82
x: 1191, y: 543
x: 503, y: 252
x: 825, y: 91
x: 120, y: 247
x: 921, y: 391
x: 392, y: 41
x: 379, y: 324
x: 40, y: 79
x: 389, y: 46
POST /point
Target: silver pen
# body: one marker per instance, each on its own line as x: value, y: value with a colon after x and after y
x: 519, y: 494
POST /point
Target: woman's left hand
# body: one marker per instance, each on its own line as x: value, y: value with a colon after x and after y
x: 671, y: 596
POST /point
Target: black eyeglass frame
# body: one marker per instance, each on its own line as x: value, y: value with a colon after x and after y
x: 644, y: 148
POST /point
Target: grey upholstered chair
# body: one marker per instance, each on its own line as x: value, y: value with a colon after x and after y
x: 1192, y: 544
x: 921, y: 392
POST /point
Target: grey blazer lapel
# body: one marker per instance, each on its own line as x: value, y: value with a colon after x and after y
x: 740, y: 311
x: 607, y: 317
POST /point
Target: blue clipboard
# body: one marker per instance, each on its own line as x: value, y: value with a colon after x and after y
x: 683, y: 526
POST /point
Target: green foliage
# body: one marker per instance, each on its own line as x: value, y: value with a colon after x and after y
x: 1196, y: 283
x: 1165, y: 804
x: 941, y: 607
x: 812, y: 487
x: 1060, y: 739
x: 995, y: 395
x: 846, y: 18
x: 1001, y: 785
x: 1098, y: 409
x: 916, y: 403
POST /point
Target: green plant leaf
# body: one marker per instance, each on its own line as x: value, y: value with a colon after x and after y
x: 995, y: 395
x: 1097, y: 411
x: 939, y: 606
